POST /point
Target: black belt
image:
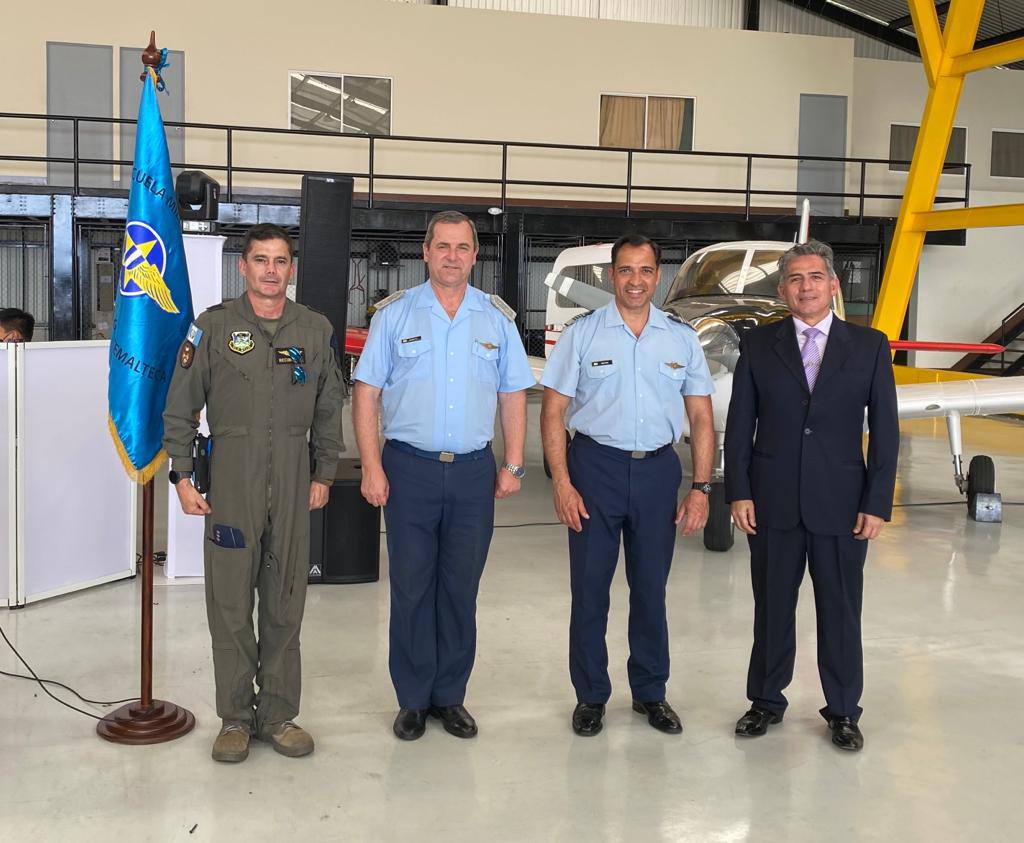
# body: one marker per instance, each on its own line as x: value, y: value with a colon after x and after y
x: 636, y: 455
x: 439, y: 456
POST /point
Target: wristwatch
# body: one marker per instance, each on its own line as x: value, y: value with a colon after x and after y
x: 177, y: 476
x: 702, y: 487
x: 516, y: 471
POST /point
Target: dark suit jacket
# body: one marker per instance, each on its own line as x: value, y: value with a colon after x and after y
x: 799, y: 455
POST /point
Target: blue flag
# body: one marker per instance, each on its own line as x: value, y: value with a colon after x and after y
x: 153, y: 308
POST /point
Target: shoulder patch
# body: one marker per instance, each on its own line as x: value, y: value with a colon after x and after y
x: 195, y: 335
x: 577, y: 317
x: 384, y: 302
x: 679, y: 319
x: 500, y: 304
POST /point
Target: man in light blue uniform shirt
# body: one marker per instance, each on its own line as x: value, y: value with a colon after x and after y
x: 625, y: 374
x: 440, y: 358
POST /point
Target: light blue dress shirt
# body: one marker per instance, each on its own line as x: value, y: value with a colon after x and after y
x: 627, y: 392
x: 440, y: 377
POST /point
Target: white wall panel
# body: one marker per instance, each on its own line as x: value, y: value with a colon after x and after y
x: 777, y: 16
x: 718, y: 14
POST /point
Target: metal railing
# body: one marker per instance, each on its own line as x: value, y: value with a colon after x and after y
x: 373, y: 142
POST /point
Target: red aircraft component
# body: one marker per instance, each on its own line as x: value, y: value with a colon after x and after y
x: 966, y: 347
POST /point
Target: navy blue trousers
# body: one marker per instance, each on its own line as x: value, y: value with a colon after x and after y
x: 777, y: 562
x: 633, y: 501
x: 440, y: 517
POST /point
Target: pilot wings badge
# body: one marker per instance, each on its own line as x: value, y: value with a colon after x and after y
x: 143, y: 264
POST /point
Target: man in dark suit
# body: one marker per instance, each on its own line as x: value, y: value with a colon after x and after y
x: 798, y: 485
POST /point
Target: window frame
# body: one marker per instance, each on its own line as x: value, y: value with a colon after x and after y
x: 341, y: 79
x: 991, y: 141
x: 646, y: 98
x: 918, y: 127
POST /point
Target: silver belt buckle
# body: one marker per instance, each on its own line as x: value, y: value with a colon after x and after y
x: 447, y: 456
x: 639, y: 455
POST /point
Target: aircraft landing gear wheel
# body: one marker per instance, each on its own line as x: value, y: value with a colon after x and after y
x: 719, y: 531
x: 982, y: 502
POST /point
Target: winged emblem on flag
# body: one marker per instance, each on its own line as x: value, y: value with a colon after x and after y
x: 143, y: 264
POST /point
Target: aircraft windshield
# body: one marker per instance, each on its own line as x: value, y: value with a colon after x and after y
x: 721, y: 273
x: 596, y: 275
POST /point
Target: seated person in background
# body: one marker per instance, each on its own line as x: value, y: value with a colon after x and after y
x: 16, y: 325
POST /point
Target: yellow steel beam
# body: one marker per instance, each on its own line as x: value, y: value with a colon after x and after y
x: 944, y: 92
x: 1006, y: 53
x: 929, y: 36
x: 918, y: 197
x: 987, y: 216
x: 961, y: 30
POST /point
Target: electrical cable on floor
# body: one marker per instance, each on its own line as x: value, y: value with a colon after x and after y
x: 43, y: 683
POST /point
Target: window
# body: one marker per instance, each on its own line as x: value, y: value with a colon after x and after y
x: 328, y: 102
x: 902, y: 139
x: 646, y: 122
x: 1008, y: 154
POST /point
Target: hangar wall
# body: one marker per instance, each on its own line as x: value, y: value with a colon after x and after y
x: 457, y: 73
x: 963, y: 292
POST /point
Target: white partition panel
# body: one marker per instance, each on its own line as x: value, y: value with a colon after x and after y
x: 76, y: 501
x: 8, y: 509
x: 185, y: 532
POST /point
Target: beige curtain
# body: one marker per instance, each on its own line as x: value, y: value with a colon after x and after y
x: 622, y: 121
x: 664, y: 122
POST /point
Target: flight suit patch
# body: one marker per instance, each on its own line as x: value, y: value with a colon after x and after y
x: 229, y: 537
x: 290, y: 356
x: 186, y: 355
x: 241, y: 342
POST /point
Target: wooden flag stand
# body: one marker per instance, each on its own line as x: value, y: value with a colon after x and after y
x: 147, y: 720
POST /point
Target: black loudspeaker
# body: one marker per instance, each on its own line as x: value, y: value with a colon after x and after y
x: 325, y: 234
x: 344, y: 536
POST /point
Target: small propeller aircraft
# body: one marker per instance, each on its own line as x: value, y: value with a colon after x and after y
x: 723, y: 290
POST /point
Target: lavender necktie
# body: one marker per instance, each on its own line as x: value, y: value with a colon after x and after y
x: 811, y: 356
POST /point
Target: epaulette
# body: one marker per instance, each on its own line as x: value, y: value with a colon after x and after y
x: 384, y: 302
x: 501, y: 305
x: 578, y: 316
x: 214, y: 307
x: 676, y: 318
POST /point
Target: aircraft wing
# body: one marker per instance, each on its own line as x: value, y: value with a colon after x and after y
x: 980, y: 397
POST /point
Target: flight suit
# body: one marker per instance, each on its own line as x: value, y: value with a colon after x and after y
x: 263, y: 394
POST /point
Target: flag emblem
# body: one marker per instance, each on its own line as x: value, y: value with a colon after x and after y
x: 143, y: 265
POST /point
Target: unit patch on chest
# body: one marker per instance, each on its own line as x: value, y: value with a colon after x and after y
x: 290, y: 356
x: 241, y: 342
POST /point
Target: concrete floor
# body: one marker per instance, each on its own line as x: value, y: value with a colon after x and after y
x: 945, y: 674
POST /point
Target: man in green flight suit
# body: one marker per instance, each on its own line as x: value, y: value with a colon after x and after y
x: 266, y: 370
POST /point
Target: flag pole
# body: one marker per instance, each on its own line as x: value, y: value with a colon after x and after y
x: 147, y: 721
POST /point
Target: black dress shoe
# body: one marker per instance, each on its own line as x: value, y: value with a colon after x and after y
x: 457, y: 721
x: 410, y: 723
x: 845, y: 733
x: 660, y: 715
x: 586, y: 719
x: 756, y: 722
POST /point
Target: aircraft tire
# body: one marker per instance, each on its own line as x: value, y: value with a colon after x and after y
x: 981, y: 476
x: 719, y: 531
